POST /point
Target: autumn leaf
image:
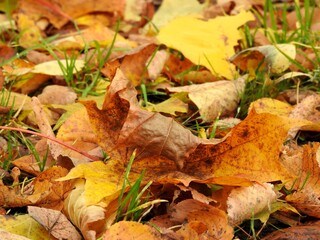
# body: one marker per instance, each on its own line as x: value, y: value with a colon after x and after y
x: 170, y: 9
x: 251, y: 150
x: 55, y: 222
x: 214, y: 99
x: 208, y: 43
x: 122, y: 126
x: 273, y: 58
x: 20, y: 225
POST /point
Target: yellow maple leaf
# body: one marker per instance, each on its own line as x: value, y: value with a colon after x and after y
x: 208, y: 43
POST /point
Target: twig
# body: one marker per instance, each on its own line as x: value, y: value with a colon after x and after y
x: 93, y: 158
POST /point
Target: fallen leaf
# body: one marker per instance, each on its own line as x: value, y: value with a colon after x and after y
x: 58, y: 67
x: 121, y: 126
x: 275, y: 58
x: 171, y: 9
x: 47, y: 192
x: 131, y: 230
x: 200, y: 220
x: 306, y: 197
x: 172, y: 105
x: 90, y: 219
x: 55, y: 94
x: 251, y: 150
x: 23, y: 225
x: 214, y: 99
x: 61, y: 11
x: 208, y: 43
x: 54, y: 222
x: 246, y: 202
x: 303, y: 232
x: 103, y: 182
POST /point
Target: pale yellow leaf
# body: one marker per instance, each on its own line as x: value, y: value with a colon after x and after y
x: 89, y: 219
x: 103, y: 181
x: 55, y: 68
x: 208, y: 43
x: 24, y: 225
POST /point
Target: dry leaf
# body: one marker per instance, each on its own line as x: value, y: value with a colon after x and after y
x: 201, y: 221
x: 55, y: 94
x: 246, y: 202
x: 23, y: 225
x: 131, y: 230
x: 272, y: 56
x: 251, y: 150
x: 306, y: 198
x: 90, y: 219
x: 55, y: 223
x: 121, y: 126
x: 311, y: 232
x: 214, y: 99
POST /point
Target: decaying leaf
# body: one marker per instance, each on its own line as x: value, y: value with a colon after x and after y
x: 208, y: 43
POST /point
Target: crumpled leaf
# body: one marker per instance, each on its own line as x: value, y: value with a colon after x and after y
x: 216, y: 98
x: 90, y: 219
x: 121, y: 126
x: 47, y: 192
x: 55, y: 222
x: 103, y: 182
x: 246, y: 202
x: 208, y: 43
x: 271, y: 55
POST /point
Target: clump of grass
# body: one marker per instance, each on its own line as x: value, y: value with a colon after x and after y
x: 134, y: 204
